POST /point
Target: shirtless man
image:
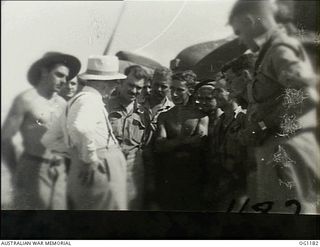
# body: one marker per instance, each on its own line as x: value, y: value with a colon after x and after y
x: 179, y: 139
x: 39, y: 177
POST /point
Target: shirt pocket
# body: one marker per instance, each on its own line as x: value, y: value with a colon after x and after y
x: 136, y: 129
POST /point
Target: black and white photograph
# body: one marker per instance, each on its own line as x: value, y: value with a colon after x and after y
x: 166, y: 109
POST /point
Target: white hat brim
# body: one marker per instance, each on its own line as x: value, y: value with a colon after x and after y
x: 117, y: 76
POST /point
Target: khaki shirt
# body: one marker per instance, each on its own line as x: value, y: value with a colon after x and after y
x: 128, y: 127
x: 282, y: 69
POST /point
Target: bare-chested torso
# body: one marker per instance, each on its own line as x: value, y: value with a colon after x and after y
x: 181, y: 122
x: 39, y: 114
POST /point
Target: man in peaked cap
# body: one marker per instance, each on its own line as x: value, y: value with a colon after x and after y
x: 97, y: 176
x: 38, y: 176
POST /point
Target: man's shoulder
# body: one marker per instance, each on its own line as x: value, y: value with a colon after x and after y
x: 194, y: 112
x: 283, y: 41
x: 84, y: 98
x: 61, y: 101
x: 28, y: 94
x: 26, y: 97
x: 167, y: 114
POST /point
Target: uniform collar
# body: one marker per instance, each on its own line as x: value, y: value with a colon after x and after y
x: 238, y: 110
x: 166, y: 102
x: 117, y: 104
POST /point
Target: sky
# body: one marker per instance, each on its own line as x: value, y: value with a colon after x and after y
x: 156, y: 29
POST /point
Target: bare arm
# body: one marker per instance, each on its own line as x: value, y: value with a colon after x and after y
x: 165, y: 145
x: 10, y: 128
x: 202, y: 129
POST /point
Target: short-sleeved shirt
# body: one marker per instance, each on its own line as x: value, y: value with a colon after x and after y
x: 128, y: 126
x: 154, y: 112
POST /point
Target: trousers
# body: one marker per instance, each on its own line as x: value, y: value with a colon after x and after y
x: 39, y: 184
x: 107, y: 191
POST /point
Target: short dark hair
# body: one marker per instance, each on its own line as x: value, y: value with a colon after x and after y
x: 187, y: 75
x: 237, y: 65
x: 162, y: 74
x: 256, y: 7
x: 138, y: 72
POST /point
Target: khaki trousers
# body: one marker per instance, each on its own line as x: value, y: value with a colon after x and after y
x: 40, y: 184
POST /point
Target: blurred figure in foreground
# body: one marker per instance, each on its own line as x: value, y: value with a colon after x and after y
x: 282, y: 118
x: 39, y: 175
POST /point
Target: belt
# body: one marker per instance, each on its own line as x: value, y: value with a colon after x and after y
x: 39, y: 158
x: 50, y: 162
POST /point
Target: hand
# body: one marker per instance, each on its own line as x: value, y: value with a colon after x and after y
x: 87, y: 173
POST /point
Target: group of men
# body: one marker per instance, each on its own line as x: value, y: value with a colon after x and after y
x: 134, y: 141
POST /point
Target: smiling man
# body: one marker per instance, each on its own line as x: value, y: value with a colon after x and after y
x: 39, y: 176
x: 129, y: 120
x: 179, y: 169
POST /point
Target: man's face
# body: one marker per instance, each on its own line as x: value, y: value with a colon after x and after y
x: 106, y: 87
x: 146, y: 90
x: 207, y: 103
x: 56, y: 77
x: 179, y: 92
x: 160, y: 89
x: 69, y: 89
x: 235, y: 84
x: 222, y: 99
x: 131, y: 87
x: 245, y: 30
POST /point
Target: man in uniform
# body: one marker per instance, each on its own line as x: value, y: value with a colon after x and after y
x: 179, y: 167
x: 97, y: 176
x: 159, y: 100
x: 39, y: 176
x: 227, y: 162
x: 282, y: 119
x: 239, y: 75
x: 129, y: 120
